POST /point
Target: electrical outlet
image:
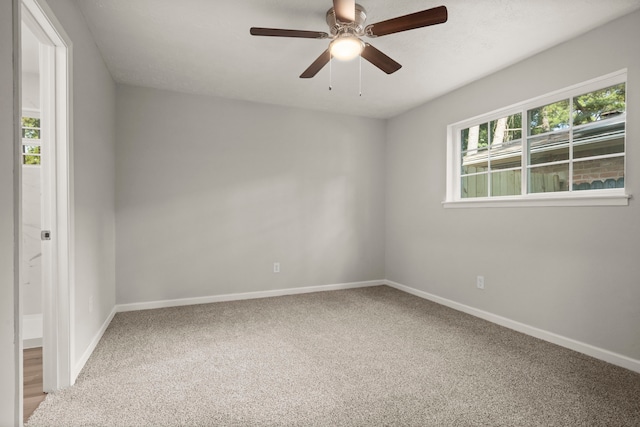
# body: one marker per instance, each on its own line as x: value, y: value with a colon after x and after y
x: 91, y: 304
x: 276, y: 267
x: 480, y: 282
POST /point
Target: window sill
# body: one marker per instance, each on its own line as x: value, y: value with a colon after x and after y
x: 576, y: 199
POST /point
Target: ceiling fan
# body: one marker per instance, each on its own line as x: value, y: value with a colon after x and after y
x: 346, y: 25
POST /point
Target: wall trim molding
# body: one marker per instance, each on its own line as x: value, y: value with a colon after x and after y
x: 31, y: 343
x: 581, y: 347
x: 118, y: 308
x: 243, y: 296
x: 92, y: 346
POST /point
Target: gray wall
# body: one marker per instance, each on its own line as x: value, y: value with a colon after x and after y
x: 94, y: 182
x: 211, y: 192
x: 9, y: 360
x: 571, y: 271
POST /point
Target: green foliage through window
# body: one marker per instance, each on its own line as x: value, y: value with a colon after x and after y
x: 31, y: 141
x: 599, y: 105
x: 496, y: 132
x: 549, y: 118
x: 30, y: 128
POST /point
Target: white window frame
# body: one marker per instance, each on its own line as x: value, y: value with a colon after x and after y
x: 605, y: 197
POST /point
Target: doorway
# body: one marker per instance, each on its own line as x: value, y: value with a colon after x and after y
x: 31, y: 278
x: 46, y: 277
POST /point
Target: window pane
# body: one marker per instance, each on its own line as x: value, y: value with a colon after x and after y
x: 506, y: 129
x: 598, y: 174
x: 548, y: 148
x: 548, y: 118
x: 31, y: 133
x: 599, y: 105
x: 506, y: 183
x: 31, y: 149
x: 483, y: 135
x: 600, y: 138
x: 30, y: 122
x: 548, y: 179
x: 475, y: 137
x: 507, y: 155
x: 31, y: 160
x: 474, y: 186
x: 464, y: 137
x: 475, y: 161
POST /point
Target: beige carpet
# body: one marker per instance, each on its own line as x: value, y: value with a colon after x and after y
x: 367, y: 357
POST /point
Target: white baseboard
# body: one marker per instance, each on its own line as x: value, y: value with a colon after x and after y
x: 92, y: 346
x: 243, y: 296
x: 588, y: 349
x: 206, y: 300
x: 31, y: 343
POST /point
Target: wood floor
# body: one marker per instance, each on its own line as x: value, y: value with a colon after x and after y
x: 33, y: 394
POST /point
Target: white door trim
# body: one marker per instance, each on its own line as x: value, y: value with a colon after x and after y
x: 56, y: 108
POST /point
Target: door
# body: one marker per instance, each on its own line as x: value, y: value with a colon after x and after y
x: 56, y: 201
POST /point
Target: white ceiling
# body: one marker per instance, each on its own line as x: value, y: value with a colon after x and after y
x: 204, y: 47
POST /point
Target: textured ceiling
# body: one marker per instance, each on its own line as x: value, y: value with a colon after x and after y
x: 204, y: 47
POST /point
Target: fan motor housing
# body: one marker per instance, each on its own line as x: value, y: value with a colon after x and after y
x: 356, y: 27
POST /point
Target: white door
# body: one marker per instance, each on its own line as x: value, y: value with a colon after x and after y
x: 57, y: 217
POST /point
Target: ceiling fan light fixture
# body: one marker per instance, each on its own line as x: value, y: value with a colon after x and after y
x: 346, y: 21
x: 346, y: 47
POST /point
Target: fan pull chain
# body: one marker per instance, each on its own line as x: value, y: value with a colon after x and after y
x: 330, y: 61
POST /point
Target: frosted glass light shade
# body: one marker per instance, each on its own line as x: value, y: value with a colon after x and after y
x: 346, y: 48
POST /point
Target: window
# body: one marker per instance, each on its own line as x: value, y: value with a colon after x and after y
x: 31, y: 146
x: 491, y: 158
x: 565, y: 148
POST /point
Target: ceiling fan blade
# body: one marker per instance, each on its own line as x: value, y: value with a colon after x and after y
x: 278, y: 32
x: 317, y: 65
x: 345, y: 10
x: 379, y: 59
x: 437, y: 15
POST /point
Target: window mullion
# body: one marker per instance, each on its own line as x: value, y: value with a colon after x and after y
x: 489, y: 191
x: 524, y: 181
x: 570, y: 189
x: 458, y: 165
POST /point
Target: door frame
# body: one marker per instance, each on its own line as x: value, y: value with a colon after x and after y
x: 58, y: 256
